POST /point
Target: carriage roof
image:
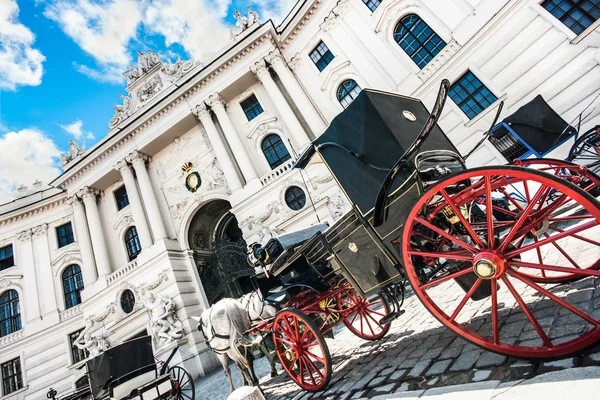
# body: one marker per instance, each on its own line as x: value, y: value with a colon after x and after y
x: 377, y: 127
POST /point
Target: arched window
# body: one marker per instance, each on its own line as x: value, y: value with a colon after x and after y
x: 132, y: 242
x: 418, y: 40
x: 73, y: 285
x: 295, y: 198
x: 10, y: 313
x: 347, y: 92
x: 274, y: 150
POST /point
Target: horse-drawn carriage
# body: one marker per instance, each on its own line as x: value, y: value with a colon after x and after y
x: 130, y: 371
x: 504, y: 256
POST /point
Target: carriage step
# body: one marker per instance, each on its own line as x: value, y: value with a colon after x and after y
x: 391, y: 317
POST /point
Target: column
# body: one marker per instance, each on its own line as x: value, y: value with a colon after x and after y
x: 138, y: 160
x: 30, y: 299
x: 88, y: 195
x: 203, y: 114
x: 308, y: 110
x: 135, y: 202
x: 41, y: 250
x: 239, y: 152
x: 289, y: 118
x: 88, y: 269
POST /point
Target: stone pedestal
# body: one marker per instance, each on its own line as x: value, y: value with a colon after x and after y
x: 246, y: 393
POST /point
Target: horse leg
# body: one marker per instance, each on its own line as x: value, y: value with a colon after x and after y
x: 250, y: 358
x: 244, y: 373
x: 225, y: 362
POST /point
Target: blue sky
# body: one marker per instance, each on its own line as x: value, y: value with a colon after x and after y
x: 61, y: 63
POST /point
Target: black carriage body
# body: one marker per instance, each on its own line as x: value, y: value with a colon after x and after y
x: 359, y: 148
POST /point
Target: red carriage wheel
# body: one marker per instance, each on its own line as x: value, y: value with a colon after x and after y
x: 183, y: 384
x: 302, y: 349
x: 479, y: 284
x: 364, y: 318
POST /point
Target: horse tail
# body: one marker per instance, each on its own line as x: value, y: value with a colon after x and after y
x: 238, y: 324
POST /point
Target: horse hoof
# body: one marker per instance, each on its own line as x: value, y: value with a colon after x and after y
x: 273, y: 374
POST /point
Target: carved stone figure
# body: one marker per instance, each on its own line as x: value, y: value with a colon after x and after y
x: 253, y: 17
x: 243, y: 22
x: 73, y: 151
x: 93, y: 344
x: 149, y: 89
x: 167, y: 327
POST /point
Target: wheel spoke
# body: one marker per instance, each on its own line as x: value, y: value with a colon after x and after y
x: 577, y: 236
x: 563, y: 252
x: 362, y: 316
x: 465, y: 299
x: 489, y: 212
x: 307, y: 364
x: 314, y: 367
x: 528, y: 313
x: 543, y: 267
x: 317, y: 358
x: 448, y: 255
x: 446, y: 278
x: 511, y: 199
x: 462, y: 219
x: 494, y: 298
x: 446, y: 235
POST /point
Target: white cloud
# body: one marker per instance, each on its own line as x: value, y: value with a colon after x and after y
x: 75, y: 129
x: 27, y: 155
x: 20, y: 64
x: 106, y: 73
x: 276, y: 10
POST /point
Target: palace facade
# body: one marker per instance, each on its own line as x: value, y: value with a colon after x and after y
x: 197, y: 163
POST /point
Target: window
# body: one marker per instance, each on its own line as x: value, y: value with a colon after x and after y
x: 295, y: 198
x: 321, y: 56
x: 577, y: 15
x: 418, y: 40
x: 471, y: 95
x: 73, y: 285
x: 78, y: 354
x: 251, y: 107
x: 132, y: 241
x: 11, y: 376
x: 6, y: 257
x: 121, y: 198
x: 347, y: 92
x: 372, y: 4
x: 274, y: 150
x: 127, y: 301
x: 65, y: 235
x: 10, y: 313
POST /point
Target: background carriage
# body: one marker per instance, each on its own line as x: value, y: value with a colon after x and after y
x: 489, y: 251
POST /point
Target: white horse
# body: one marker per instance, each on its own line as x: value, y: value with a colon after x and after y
x: 223, y: 326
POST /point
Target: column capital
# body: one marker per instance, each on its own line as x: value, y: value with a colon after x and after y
x: 74, y: 200
x: 40, y: 230
x: 276, y: 59
x: 137, y: 158
x: 201, y: 111
x: 24, y: 236
x: 215, y: 101
x: 88, y: 193
x: 122, y: 166
x: 260, y: 69
x: 330, y: 22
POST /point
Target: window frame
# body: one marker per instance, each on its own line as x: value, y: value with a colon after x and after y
x: 584, y: 32
x: 19, y: 383
x: 128, y: 301
x: 76, y: 290
x: 366, y: 3
x: 321, y: 56
x: 262, y: 110
x: 14, y: 320
x: 280, y: 160
x: 77, y: 355
x: 471, y: 95
x: 67, y: 235
x: 2, y: 260
x: 421, y: 45
x: 132, y: 256
x: 118, y: 201
x: 349, y: 92
x: 285, y: 197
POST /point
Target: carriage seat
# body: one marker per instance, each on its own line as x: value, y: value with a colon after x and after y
x: 121, y: 387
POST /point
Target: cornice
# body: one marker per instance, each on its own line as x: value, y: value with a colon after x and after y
x: 301, y: 23
x: 20, y: 214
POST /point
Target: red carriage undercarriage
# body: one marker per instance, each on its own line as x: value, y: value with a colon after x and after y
x: 489, y: 251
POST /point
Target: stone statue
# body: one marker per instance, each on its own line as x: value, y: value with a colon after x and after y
x: 73, y: 151
x: 147, y: 61
x: 167, y: 327
x: 242, y: 22
x: 94, y: 345
x: 253, y: 17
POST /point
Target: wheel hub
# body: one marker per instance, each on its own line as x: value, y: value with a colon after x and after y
x: 489, y: 264
x: 290, y: 355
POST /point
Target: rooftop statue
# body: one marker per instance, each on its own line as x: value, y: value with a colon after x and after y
x: 244, y: 22
x: 146, y: 61
x: 73, y: 152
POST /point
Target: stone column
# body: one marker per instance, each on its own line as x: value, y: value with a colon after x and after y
x: 239, y: 152
x: 285, y: 111
x: 88, y: 195
x: 41, y: 250
x: 138, y: 160
x: 135, y: 202
x: 30, y: 299
x: 308, y: 110
x: 88, y: 269
x: 202, y: 112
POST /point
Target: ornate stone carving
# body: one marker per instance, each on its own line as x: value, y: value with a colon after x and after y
x: 121, y: 111
x: 215, y: 101
x: 72, y: 153
x: 93, y: 344
x: 11, y: 280
x: 259, y: 69
x: 24, y: 236
x: 179, y: 68
x: 88, y: 193
x: 201, y: 111
x: 440, y: 59
x: 329, y: 22
x: 136, y: 157
x: 243, y: 22
x: 40, y: 230
x: 146, y: 61
x: 165, y: 324
x: 74, y: 200
x: 275, y: 58
x: 150, y: 88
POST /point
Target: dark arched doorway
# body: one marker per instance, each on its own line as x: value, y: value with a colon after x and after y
x: 219, y: 251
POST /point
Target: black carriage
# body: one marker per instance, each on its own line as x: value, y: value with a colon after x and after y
x: 497, y: 254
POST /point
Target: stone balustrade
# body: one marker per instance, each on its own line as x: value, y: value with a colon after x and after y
x: 69, y: 313
x: 278, y: 172
x: 13, y: 337
x: 121, y: 272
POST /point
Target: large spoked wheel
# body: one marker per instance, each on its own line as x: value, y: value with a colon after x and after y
x: 473, y: 270
x: 586, y: 150
x: 183, y: 384
x: 364, y: 320
x: 302, y: 350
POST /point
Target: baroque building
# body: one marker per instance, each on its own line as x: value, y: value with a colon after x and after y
x: 149, y: 226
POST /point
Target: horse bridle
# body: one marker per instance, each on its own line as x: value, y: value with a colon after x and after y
x: 262, y: 302
x: 214, y: 333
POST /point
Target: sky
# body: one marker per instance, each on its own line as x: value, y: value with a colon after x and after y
x: 61, y: 65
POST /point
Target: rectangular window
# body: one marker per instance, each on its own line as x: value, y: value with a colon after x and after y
x: 78, y: 354
x: 510, y: 147
x: 65, y: 234
x: 11, y: 376
x: 7, y: 259
x: 251, y: 107
x: 321, y: 56
x: 577, y: 15
x: 372, y: 4
x: 121, y: 198
x: 471, y: 95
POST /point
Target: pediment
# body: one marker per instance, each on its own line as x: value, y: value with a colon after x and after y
x: 332, y: 76
x: 262, y: 127
x: 10, y: 280
x: 67, y: 257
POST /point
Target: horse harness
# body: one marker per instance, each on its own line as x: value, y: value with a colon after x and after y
x: 215, y: 335
x: 262, y: 303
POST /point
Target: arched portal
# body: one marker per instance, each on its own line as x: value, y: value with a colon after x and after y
x: 219, y: 251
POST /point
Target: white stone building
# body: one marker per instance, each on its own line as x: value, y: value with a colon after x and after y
x: 120, y: 232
